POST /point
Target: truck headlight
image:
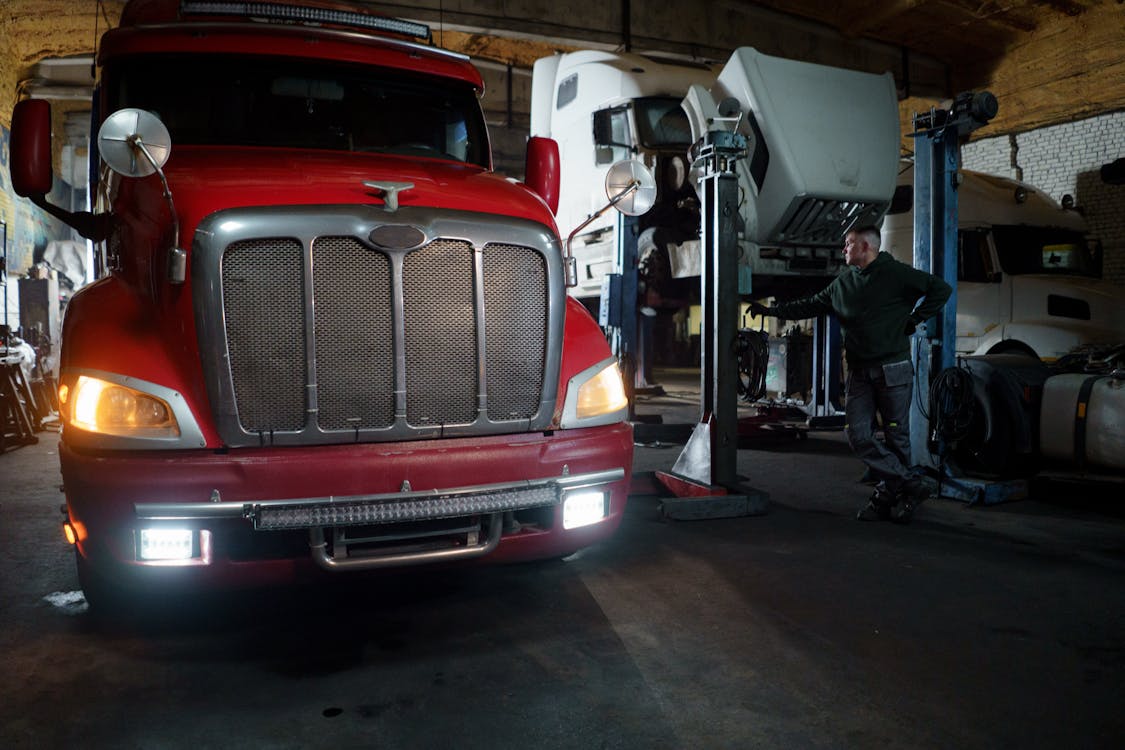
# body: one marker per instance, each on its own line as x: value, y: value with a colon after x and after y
x: 584, y: 508
x: 166, y: 544
x: 107, y: 408
x: 595, y: 396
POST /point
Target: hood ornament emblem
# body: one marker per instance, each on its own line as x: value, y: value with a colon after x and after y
x: 388, y: 191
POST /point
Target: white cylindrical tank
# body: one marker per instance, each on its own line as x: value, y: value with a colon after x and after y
x: 1082, y: 420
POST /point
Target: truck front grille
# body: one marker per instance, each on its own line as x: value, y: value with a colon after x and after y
x: 265, y: 304
x: 441, y: 340
x: 332, y: 339
x: 815, y: 222
x: 354, y: 335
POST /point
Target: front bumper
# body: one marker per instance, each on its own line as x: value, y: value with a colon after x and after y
x: 275, y: 515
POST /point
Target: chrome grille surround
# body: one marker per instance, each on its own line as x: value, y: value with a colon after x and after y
x: 310, y: 334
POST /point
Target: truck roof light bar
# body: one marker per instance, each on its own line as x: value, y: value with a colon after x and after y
x: 298, y: 13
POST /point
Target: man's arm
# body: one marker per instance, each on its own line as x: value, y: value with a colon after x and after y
x: 812, y: 306
x: 934, y: 293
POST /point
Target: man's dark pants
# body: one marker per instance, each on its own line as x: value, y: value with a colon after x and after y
x: 885, y: 390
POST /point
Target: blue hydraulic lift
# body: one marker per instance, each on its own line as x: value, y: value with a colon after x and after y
x: 937, y: 161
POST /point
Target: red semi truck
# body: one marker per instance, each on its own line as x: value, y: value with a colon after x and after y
x: 330, y: 336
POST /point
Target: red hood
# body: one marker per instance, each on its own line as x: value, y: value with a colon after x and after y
x: 205, y: 180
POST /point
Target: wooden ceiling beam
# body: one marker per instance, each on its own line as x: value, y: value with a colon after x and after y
x: 1050, y: 78
x: 862, y: 22
x: 1003, y: 14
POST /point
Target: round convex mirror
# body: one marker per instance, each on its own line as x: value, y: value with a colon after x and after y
x: 126, y: 135
x: 624, y: 175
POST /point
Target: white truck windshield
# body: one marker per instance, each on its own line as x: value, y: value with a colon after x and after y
x: 1029, y: 249
x: 662, y: 122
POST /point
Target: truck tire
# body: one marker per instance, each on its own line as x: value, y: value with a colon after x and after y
x: 1013, y: 346
x: 102, y: 598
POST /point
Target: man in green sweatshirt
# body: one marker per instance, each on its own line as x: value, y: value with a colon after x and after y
x: 879, y: 302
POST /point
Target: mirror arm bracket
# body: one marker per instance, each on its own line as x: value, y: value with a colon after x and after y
x: 93, y: 227
x: 177, y: 257
x: 571, y: 265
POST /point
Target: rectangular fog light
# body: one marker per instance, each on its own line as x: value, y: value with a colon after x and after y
x: 583, y: 508
x: 166, y: 544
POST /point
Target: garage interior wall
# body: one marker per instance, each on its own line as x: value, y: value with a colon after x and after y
x: 27, y: 228
x: 1067, y: 159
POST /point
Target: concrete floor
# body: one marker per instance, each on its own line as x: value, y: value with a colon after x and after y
x: 973, y: 627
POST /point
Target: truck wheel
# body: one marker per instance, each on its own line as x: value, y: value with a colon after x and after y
x: 1013, y: 346
x: 101, y: 597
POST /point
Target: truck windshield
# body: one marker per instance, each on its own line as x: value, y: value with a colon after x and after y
x: 291, y: 103
x: 662, y: 122
x: 1026, y: 249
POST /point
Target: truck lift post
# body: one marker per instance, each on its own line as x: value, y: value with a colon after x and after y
x: 777, y: 170
x: 709, y: 460
x: 937, y: 159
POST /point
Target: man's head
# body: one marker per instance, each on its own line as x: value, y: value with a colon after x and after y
x: 861, y: 246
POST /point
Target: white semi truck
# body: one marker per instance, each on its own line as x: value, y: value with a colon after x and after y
x: 602, y: 107
x: 1028, y: 274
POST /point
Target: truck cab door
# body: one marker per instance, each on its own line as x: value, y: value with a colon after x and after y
x: 979, y: 290
x: 613, y: 135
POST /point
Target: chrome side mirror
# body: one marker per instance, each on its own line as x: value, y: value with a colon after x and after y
x: 631, y: 189
x: 135, y: 143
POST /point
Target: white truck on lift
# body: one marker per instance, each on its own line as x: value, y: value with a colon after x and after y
x: 602, y: 107
x: 822, y: 144
x: 1028, y: 277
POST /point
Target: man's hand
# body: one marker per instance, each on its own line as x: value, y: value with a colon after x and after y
x: 911, y: 326
x: 757, y: 308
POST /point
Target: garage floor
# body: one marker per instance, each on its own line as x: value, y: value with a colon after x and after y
x: 974, y: 627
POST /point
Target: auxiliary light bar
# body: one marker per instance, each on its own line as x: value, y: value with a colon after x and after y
x: 298, y: 516
x: 297, y: 13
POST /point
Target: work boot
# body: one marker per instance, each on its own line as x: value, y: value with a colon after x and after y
x: 909, y: 496
x: 880, y: 505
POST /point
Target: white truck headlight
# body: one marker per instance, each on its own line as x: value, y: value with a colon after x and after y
x: 583, y: 507
x: 166, y: 544
x: 595, y: 396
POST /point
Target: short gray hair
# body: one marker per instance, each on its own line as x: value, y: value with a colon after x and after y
x: 870, y: 235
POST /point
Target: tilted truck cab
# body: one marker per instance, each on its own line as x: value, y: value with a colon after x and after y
x: 807, y: 174
x: 330, y: 333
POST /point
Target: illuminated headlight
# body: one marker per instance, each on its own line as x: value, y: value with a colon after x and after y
x: 166, y: 544
x: 583, y: 508
x: 595, y: 396
x: 97, y: 405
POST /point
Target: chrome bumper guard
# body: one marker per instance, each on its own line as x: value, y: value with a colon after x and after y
x: 318, y: 513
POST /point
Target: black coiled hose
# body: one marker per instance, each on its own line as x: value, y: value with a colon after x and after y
x: 952, y: 408
x: 753, y: 354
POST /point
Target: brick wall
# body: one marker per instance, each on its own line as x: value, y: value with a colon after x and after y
x: 1066, y: 159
